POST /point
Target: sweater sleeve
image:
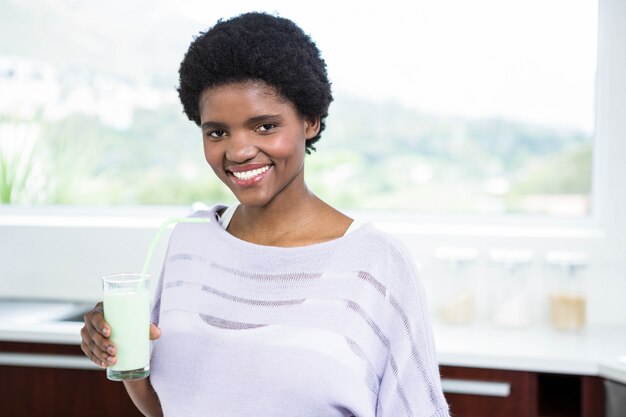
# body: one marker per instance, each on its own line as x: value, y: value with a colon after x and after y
x: 410, y: 385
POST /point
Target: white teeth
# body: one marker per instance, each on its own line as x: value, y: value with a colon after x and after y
x: 246, y: 175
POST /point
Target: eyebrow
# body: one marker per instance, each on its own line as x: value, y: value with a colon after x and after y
x: 252, y: 120
x: 212, y: 125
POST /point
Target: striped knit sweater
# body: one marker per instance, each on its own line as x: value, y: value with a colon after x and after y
x: 338, y: 328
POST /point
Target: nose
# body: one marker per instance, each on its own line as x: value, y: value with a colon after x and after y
x: 241, y: 147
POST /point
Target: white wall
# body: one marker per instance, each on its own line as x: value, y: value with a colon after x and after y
x: 67, y: 262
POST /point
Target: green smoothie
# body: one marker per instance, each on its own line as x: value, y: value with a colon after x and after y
x: 127, y: 310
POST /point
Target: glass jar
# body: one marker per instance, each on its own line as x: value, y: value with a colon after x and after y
x: 510, y: 287
x: 567, y: 300
x: 455, y: 290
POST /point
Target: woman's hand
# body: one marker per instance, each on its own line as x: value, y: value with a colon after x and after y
x: 96, y: 342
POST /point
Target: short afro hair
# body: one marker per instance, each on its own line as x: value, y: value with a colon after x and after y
x: 257, y: 47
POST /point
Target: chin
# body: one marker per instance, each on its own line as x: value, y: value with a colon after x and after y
x: 255, y: 201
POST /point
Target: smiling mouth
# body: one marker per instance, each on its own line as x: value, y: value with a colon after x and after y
x: 246, y: 175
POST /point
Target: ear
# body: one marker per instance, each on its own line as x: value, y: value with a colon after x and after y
x: 311, y: 127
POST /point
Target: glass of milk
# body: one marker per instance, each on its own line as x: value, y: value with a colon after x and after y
x: 127, y: 310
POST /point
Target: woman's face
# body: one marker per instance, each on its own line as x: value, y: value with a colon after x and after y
x: 254, y: 140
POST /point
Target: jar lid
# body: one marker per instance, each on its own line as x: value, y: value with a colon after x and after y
x: 511, y: 256
x: 456, y: 254
x: 567, y: 258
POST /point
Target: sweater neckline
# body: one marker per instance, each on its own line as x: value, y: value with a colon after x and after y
x: 250, y: 247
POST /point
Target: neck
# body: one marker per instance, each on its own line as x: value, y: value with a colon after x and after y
x: 294, y: 217
x: 280, y: 217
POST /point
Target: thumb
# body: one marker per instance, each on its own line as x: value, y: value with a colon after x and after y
x: 155, y: 332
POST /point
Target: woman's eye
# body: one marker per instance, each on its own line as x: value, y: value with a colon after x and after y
x: 266, y: 127
x: 217, y: 133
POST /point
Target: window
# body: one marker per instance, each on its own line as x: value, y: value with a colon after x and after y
x: 482, y: 107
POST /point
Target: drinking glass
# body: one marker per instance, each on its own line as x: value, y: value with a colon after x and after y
x: 127, y: 310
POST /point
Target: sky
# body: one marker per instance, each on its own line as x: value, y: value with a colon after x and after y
x: 527, y: 60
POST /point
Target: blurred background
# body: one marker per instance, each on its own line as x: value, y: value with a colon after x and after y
x: 440, y: 107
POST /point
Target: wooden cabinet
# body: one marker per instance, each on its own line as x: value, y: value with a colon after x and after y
x: 475, y: 392
x: 471, y: 392
x: 27, y: 391
x: 488, y: 392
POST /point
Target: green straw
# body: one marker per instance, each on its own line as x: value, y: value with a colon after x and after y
x: 164, y: 226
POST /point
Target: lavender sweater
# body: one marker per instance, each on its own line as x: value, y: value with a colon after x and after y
x: 338, y: 328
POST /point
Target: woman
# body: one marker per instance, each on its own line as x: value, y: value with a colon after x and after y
x: 281, y: 305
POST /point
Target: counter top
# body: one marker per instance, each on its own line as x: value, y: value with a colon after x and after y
x: 62, y: 333
x: 598, y: 351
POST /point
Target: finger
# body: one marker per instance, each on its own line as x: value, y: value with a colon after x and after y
x: 97, y: 328
x: 88, y: 335
x: 98, y: 356
x: 95, y: 358
x: 101, y: 358
x: 155, y: 332
x: 97, y: 348
x: 96, y: 319
x: 98, y: 342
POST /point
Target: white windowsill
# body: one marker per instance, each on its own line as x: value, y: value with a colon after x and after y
x: 150, y: 217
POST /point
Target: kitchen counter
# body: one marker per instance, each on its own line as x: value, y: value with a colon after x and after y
x: 597, y: 351
x: 61, y: 333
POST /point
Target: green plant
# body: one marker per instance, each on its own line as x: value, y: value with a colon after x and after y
x: 17, y: 146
